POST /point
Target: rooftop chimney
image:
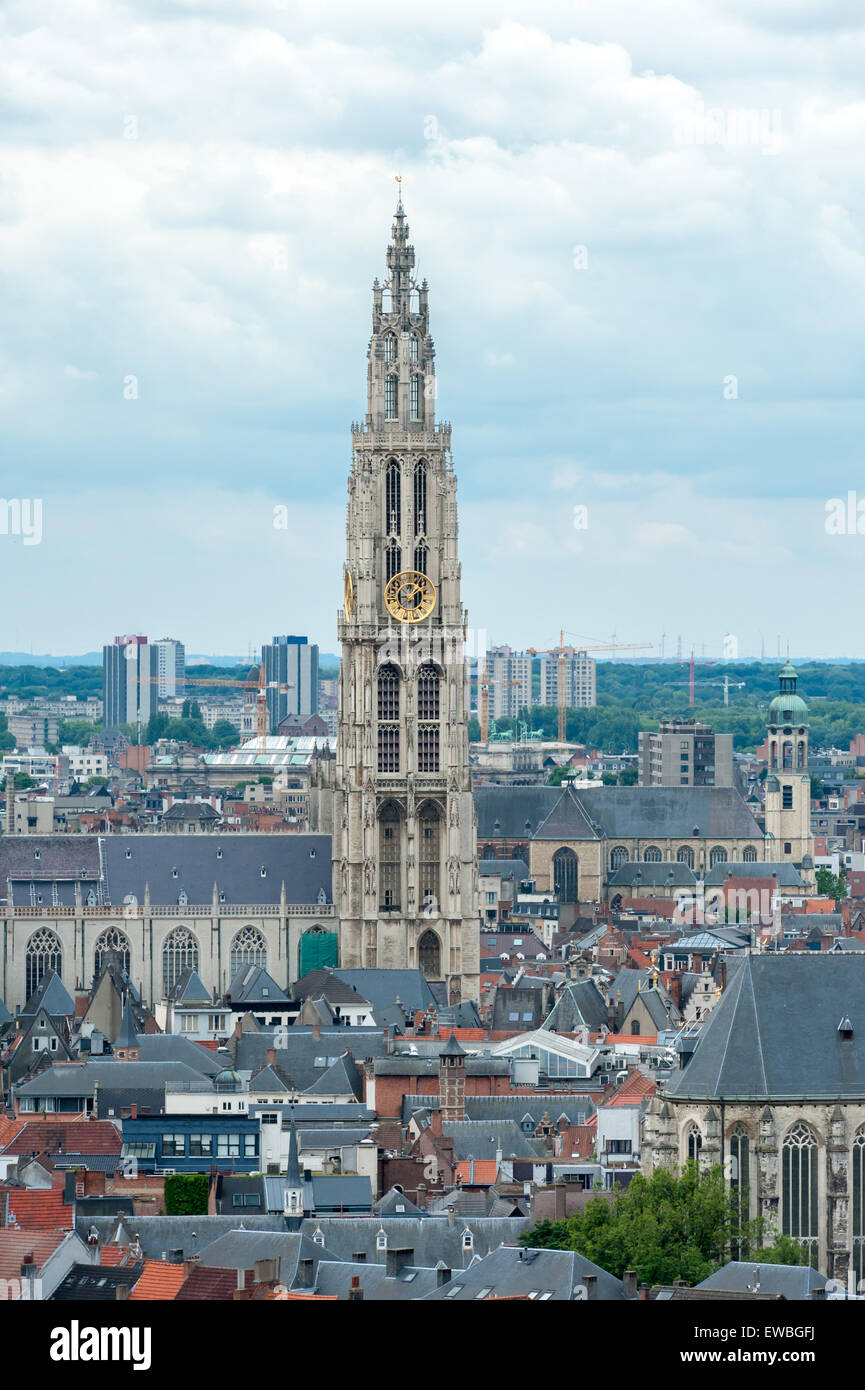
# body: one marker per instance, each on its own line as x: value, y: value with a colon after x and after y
x: 590, y: 1282
x: 629, y: 1279
x: 355, y: 1293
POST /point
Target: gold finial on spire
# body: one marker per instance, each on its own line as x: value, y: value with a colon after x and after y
x: 398, y: 178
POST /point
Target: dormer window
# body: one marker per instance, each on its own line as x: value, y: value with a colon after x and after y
x: 219, y: 854
x: 37, y: 854
x: 312, y: 854
x: 263, y: 871
x: 129, y: 854
x: 182, y: 898
x: 174, y: 873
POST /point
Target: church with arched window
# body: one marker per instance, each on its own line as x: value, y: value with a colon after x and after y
x: 775, y: 1094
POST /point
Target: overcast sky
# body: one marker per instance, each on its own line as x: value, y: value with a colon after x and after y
x: 643, y: 303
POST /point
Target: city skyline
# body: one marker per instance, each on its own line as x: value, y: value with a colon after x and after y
x: 645, y: 279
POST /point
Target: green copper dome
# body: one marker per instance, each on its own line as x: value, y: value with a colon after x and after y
x: 788, y: 707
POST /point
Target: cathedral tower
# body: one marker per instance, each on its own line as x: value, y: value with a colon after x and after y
x: 404, y: 844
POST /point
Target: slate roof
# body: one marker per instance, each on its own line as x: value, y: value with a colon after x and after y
x: 68, y: 857
x: 774, y: 1032
x: 236, y: 1249
x: 336, y: 1278
x: 190, y: 989
x: 337, y: 1191
x: 51, y: 995
x: 340, y: 1079
x: 317, y: 984
x: 300, y: 1059
x: 504, y: 868
x: 383, y: 987
x: 96, y: 1283
x: 158, y: 1234
x: 75, y: 1080
x: 579, y: 1005
x: 511, y: 1271
x: 646, y: 873
x: 5, y: 1016
x: 787, y: 874
x: 432, y: 1239
x: 629, y: 813
x: 252, y: 987
x: 396, y: 1203
x: 791, y: 1281
x: 173, y: 1047
x: 512, y: 807
x: 483, y: 1139
x: 232, y: 861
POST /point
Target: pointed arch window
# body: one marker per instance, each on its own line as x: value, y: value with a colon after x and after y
x: 718, y: 855
x: 428, y: 714
x: 44, y: 953
x: 413, y: 348
x: 430, y: 956
x: 740, y: 1177
x: 392, y: 560
x: 179, y: 953
x: 695, y: 1143
x: 393, y: 499
x: 420, y: 497
x: 566, y: 875
x: 618, y: 856
x: 388, y: 719
x: 248, y: 948
x: 111, y: 942
x: 390, y: 347
x: 652, y: 855
x: 749, y: 855
x: 389, y: 858
x: 429, y: 857
x: 390, y: 397
x: 421, y: 557
x: 414, y: 397
x: 685, y: 855
x: 800, y: 1217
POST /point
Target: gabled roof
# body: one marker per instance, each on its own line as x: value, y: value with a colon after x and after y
x: 253, y: 987
x: 190, y: 989
x: 774, y: 1032
x: 579, y: 1005
x: 396, y: 1203
x: 383, y: 987
x: 568, y: 820
x: 128, y: 1035
x: 51, y: 995
x: 787, y: 874
x: 96, y: 1283
x: 642, y: 873
x: 791, y: 1281
x: 511, y: 1272
x: 340, y: 1079
x: 326, y: 984
x: 233, y: 862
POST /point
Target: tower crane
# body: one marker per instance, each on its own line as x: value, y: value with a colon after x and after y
x: 260, y: 686
x: 561, y: 651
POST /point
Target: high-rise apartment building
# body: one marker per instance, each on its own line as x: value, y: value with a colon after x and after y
x: 509, y: 677
x: 580, y: 680
x: 170, y: 667
x: 129, y: 681
x: 291, y: 671
x: 685, y: 753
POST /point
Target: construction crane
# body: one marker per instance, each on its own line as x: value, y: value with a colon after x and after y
x: 260, y: 686
x: 728, y: 686
x: 561, y: 651
x: 700, y: 661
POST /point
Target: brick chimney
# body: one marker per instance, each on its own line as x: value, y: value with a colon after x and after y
x: 355, y: 1293
x: 675, y: 990
x: 270, y: 1056
x: 94, y: 1183
x: 316, y: 1028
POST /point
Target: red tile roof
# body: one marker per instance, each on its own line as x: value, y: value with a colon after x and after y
x: 206, y: 1284
x: 474, y: 1171
x: 160, y: 1281
x: 8, y: 1129
x: 636, y: 1089
x: 73, y: 1136
x: 35, y: 1210
x: 17, y: 1246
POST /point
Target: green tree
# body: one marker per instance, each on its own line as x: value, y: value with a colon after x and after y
x: 195, y: 710
x: 817, y: 788
x: 609, y: 779
x: 666, y: 1227
x: 23, y: 781
x: 186, y: 1194
x: 628, y: 777
x: 830, y: 885
x: 224, y: 734
x: 559, y: 775
x: 77, y: 731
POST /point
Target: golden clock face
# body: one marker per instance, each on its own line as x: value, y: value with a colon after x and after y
x: 410, y: 596
x: 348, y: 598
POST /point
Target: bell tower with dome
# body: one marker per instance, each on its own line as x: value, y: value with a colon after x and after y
x: 788, y: 785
